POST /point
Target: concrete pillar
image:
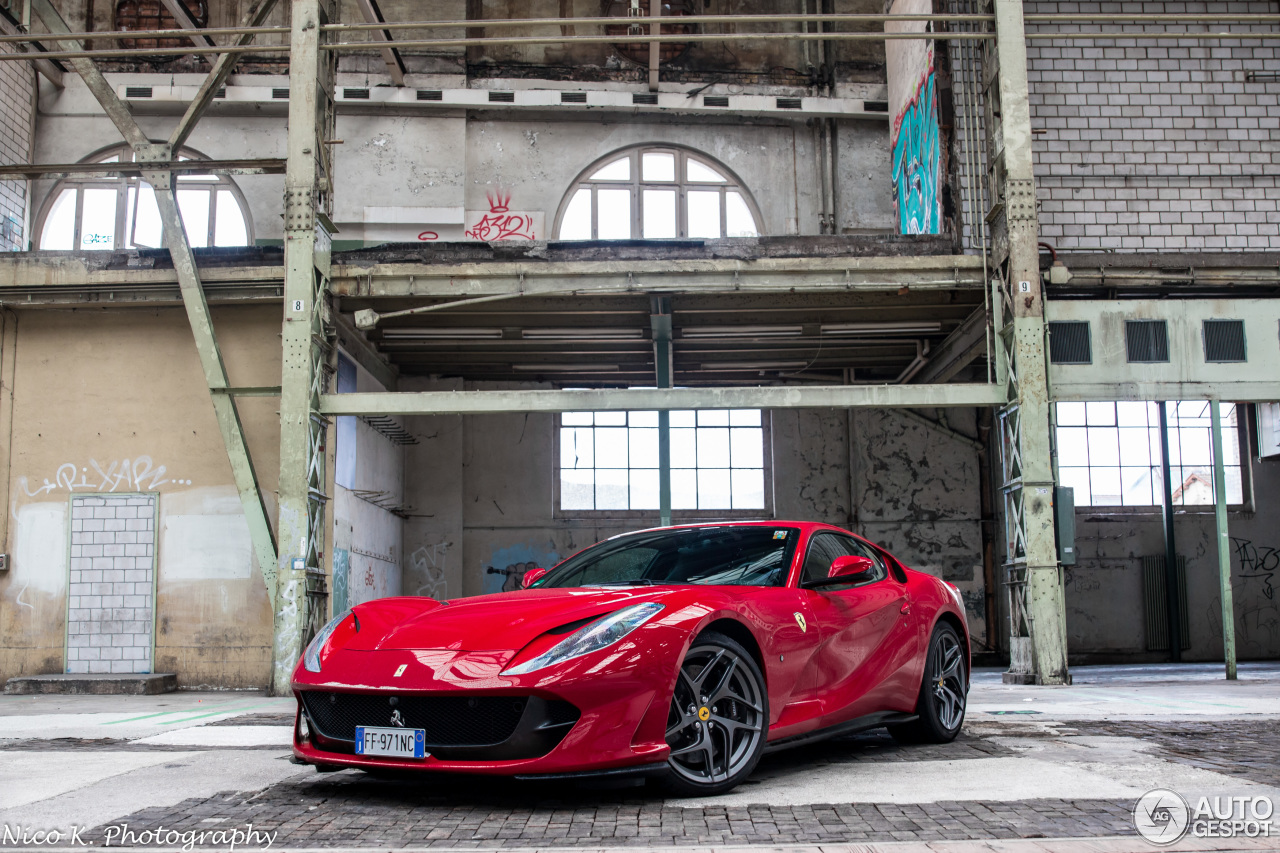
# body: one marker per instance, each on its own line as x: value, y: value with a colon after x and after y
x: 301, y: 589
x: 1038, y: 647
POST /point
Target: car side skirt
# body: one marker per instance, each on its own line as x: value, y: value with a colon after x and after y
x: 848, y: 727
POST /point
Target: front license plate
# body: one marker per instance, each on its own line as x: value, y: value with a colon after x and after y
x: 394, y: 743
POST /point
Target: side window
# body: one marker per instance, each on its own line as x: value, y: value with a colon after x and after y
x: 826, y: 547
x: 823, y: 548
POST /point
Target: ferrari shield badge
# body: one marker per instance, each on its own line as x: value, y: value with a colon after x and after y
x: 804, y: 626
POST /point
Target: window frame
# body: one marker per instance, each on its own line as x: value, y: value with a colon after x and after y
x: 1243, y: 436
x: 879, y: 558
x: 678, y: 516
x: 637, y: 186
x: 122, y: 184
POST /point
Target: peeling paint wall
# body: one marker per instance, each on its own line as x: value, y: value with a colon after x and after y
x: 1105, y: 617
x: 135, y: 417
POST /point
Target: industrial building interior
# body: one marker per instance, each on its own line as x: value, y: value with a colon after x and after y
x: 309, y: 304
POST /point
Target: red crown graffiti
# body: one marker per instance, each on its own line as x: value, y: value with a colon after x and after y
x: 498, y: 203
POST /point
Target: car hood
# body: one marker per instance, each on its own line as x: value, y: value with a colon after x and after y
x: 503, y: 621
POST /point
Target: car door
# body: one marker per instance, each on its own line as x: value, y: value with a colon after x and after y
x: 866, y: 634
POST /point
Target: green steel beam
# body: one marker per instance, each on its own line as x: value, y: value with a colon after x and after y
x: 193, y: 297
x: 1036, y: 577
x: 661, y: 399
x: 1224, y: 543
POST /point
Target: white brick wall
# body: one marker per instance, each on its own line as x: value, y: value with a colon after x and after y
x: 110, y: 612
x: 1157, y: 145
x: 17, y: 81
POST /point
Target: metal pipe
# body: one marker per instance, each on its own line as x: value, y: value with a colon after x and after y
x: 1172, y: 609
x: 1224, y: 544
x: 660, y: 321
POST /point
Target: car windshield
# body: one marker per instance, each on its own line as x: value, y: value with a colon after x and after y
x: 714, y: 556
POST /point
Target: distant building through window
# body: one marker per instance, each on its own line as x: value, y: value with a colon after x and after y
x: 609, y: 460
x: 1109, y: 453
x: 656, y: 193
x: 96, y: 212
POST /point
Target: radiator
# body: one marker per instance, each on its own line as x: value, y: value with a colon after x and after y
x: 1156, y: 603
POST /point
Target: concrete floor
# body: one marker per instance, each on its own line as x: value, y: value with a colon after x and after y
x: 1032, y: 763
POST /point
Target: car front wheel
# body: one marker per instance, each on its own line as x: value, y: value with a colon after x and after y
x: 719, y: 717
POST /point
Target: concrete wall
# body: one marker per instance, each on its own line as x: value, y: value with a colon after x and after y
x: 1153, y: 145
x: 915, y: 135
x: 482, y: 492
x: 134, y: 416
x: 1104, y: 590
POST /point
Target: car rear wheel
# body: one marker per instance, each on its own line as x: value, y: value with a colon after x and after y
x: 719, y: 717
x: 941, y: 703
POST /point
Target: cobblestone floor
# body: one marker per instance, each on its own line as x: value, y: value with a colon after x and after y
x: 359, y: 810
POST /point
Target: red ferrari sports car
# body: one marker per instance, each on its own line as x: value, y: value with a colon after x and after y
x: 684, y: 652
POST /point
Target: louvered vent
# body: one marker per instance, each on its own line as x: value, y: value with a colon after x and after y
x: 221, y: 93
x: 715, y: 100
x: 1146, y: 341
x: 280, y: 94
x: 1069, y: 342
x: 1156, y: 603
x: 788, y: 103
x: 875, y: 106
x: 137, y: 91
x: 645, y: 100
x: 430, y: 95
x: 573, y: 97
x: 356, y: 94
x: 502, y: 97
x: 1224, y: 340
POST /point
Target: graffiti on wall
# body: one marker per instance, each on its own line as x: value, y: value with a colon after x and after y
x: 1255, y: 562
x: 428, y: 565
x: 505, y: 571
x: 917, y: 158
x: 140, y: 474
x: 500, y: 222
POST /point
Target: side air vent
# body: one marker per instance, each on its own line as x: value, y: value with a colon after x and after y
x: 715, y: 100
x: 137, y: 91
x: 876, y: 106
x: 788, y: 103
x: 430, y: 95
x: 647, y: 99
x: 1224, y: 341
x: 280, y: 94
x: 1069, y: 342
x: 356, y: 94
x: 502, y: 97
x: 1146, y: 341
x: 573, y: 97
x: 221, y: 93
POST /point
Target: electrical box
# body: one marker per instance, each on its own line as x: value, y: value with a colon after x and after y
x: 1268, y: 429
x: 1064, y: 523
x: 4, y: 562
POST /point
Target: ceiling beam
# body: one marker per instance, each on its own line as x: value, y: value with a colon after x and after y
x: 183, y: 16
x: 395, y: 63
x: 957, y: 351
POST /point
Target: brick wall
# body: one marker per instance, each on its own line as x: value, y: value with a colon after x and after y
x: 17, y: 82
x: 110, y: 613
x: 1154, y: 145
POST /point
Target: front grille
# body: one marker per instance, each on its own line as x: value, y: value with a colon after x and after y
x: 447, y: 720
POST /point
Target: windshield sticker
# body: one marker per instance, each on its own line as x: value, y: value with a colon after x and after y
x: 779, y: 534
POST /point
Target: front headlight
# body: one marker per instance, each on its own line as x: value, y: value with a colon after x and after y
x: 591, y: 638
x: 311, y: 657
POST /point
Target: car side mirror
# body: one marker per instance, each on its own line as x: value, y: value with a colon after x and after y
x: 531, y: 577
x: 850, y: 569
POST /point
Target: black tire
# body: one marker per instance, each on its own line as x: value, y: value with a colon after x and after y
x: 719, y: 718
x: 942, y: 699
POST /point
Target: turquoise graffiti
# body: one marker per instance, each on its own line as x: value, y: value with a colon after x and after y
x: 917, y: 154
x: 506, y: 569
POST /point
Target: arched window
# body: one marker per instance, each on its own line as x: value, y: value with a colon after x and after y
x: 655, y: 193
x: 99, y: 212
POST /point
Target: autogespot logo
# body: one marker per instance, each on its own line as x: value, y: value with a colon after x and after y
x: 1162, y: 816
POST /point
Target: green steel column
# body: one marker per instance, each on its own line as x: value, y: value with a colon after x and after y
x: 306, y: 261
x: 660, y: 320
x: 1224, y: 544
x: 1039, y: 655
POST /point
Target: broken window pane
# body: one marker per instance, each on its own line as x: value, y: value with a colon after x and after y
x: 147, y: 231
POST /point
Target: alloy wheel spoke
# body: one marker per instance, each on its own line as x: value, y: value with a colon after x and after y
x: 700, y: 681
x: 721, y: 690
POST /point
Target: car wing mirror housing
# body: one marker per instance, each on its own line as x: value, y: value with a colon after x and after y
x: 531, y: 577
x: 850, y: 569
